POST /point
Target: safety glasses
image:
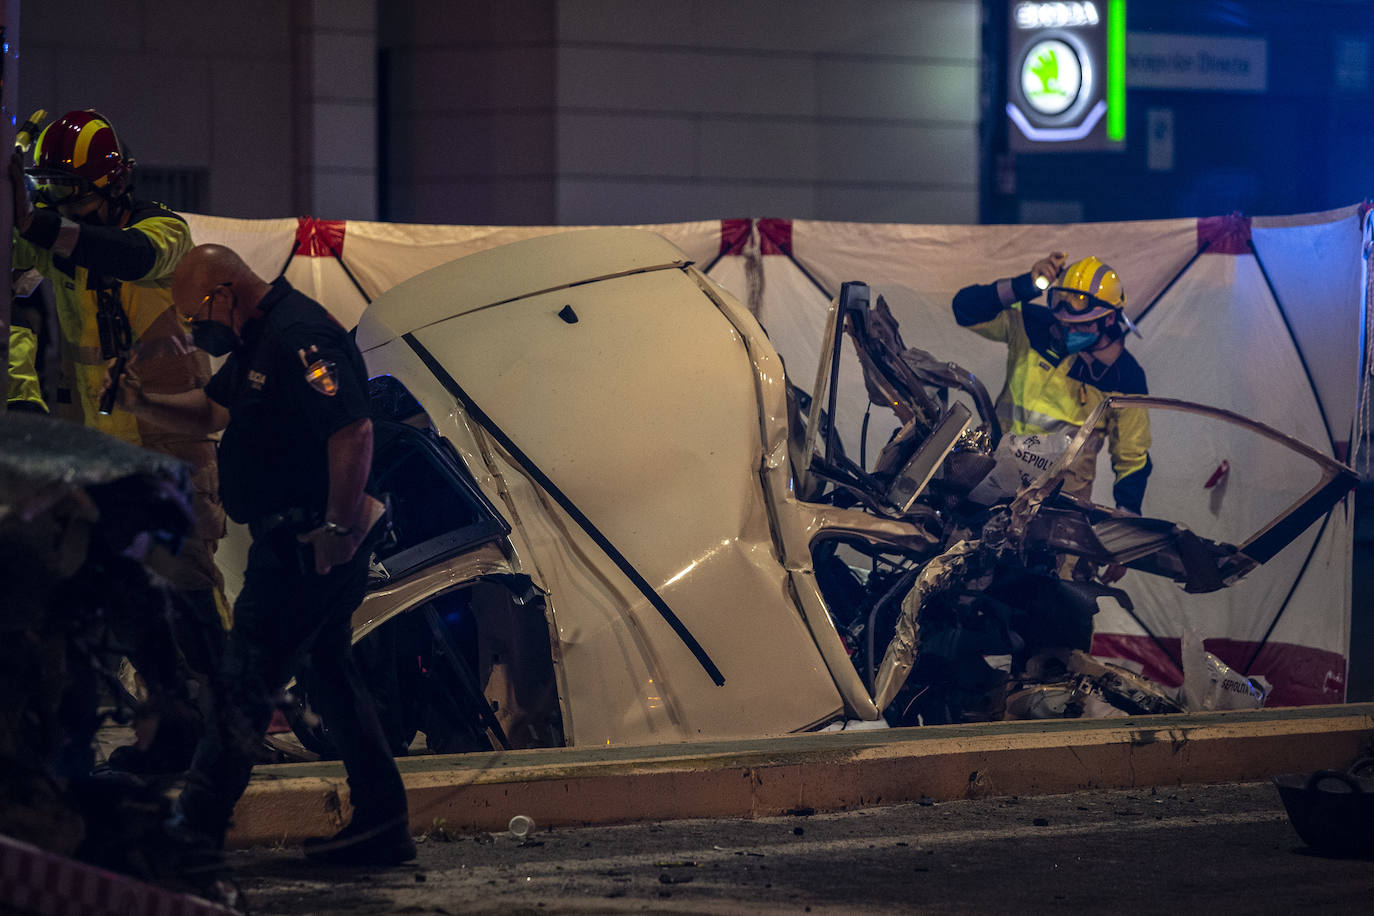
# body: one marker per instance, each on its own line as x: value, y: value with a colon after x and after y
x: 1074, y: 307
x: 53, y: 188
x: 203, y: 308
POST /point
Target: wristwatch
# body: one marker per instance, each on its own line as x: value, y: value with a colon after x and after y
x: 336, y: 528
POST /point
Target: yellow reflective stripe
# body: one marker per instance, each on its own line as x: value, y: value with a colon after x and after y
x: 1035, y: 421
x: 83, y: 143
x: 38, y: 144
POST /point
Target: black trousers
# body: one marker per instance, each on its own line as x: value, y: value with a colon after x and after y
x: 284, y: 614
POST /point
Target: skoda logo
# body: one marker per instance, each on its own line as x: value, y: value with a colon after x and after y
x: 1051, y: 76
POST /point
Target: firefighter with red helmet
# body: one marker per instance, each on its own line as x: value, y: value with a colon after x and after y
x: 109, y: 256
x: 1063, y: 359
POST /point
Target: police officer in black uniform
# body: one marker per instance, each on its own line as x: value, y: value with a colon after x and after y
x: 294, y: 462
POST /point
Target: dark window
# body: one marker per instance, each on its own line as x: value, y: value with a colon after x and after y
x: 183, y: 190
x: 437, y: 511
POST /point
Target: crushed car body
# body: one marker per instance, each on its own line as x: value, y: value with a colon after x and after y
x: 617, y: 521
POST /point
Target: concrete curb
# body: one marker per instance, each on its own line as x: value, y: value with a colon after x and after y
x: 817, y: 772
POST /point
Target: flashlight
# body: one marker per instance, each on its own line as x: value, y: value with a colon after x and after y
x: 1042, y: 282
x: 23, y: 139
x: 107, y: 398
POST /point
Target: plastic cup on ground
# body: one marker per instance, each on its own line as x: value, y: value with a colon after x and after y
x: 521, y: 826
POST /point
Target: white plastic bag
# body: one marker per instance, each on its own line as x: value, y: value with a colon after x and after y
x: 1210, y: 683
x: 1020, y: 460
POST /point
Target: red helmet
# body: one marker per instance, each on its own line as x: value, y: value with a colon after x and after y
x: 77, y: 154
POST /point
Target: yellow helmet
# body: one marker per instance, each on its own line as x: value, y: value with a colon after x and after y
x: 1086, y: 291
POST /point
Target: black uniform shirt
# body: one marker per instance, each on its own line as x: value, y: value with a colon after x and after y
x: 296, y: 379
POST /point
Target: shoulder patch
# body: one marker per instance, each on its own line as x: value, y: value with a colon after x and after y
x: 319, y: 372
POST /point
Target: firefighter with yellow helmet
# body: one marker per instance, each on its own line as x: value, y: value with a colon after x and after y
x: 1063, y: 359
x: 109, y: 256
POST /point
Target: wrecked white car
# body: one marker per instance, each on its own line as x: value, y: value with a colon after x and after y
x: 617, y: 522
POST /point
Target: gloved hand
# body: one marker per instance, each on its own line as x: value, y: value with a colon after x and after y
x: 130, y: 395
x: 23, y: 207
x: 1046, y: 270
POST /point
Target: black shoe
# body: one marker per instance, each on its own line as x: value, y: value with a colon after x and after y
x: 193, y: 850
x: 388, y: 844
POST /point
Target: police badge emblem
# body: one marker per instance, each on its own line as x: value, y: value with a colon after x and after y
x: 319, y: 372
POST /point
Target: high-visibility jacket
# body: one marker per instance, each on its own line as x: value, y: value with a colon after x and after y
x: 131, y: 267
x: 1050, y: 391
x: 24, y: 391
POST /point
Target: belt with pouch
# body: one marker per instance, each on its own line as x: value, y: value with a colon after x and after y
x: 297, y: 519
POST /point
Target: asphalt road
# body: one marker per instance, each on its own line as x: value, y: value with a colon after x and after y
x: 1225, y: 850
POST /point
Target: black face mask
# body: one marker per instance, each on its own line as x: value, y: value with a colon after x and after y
x: 95, y: 218
x: 214, y: 337
x: 107, y: 213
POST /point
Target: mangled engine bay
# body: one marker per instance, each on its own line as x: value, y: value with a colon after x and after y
x: 994, y: 619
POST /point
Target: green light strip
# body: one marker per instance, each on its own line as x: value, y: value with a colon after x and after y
x: 1116, y: 70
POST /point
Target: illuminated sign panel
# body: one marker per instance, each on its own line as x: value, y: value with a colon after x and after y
x: 1211, y: 62
x: 1066, y: 76
x: 1054, y: 15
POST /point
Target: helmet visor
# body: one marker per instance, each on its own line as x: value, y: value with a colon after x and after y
x: 1071, y: 306
x: 55, y: 188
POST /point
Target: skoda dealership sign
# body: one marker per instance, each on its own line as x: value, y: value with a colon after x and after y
x: 1052, y: 76
x: 1066, y: 75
